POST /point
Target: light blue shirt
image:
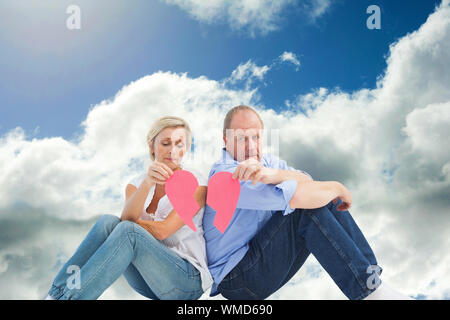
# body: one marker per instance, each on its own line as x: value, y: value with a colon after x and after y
x: 256, y: 204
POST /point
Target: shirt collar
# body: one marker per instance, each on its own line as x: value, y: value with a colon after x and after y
x: 227, y: 158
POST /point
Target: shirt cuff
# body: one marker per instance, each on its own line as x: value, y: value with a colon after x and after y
x: 288, y: 188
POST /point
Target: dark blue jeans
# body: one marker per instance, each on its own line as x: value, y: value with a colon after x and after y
x: 281, y: 247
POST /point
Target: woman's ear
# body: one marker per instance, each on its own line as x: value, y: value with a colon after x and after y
x: 151, y: 150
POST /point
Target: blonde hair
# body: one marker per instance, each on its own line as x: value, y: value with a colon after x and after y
x: 231, y: 112
x: 168, y: 122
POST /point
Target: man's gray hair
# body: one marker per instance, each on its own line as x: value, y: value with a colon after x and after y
x: 230, y: 114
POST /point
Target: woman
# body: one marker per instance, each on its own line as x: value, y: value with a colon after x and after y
x: 160, y: 257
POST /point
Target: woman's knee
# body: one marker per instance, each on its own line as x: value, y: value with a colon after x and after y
x: 125, y: 226
x: 135, y: 233
x: 131, y: 229
x: 108, y: 222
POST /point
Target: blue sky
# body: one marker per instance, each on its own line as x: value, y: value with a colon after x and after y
x: 51, y: 76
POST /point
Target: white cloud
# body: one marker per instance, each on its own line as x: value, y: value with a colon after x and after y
x: 290, y: 57
x: 388, y: 145
x: 247, y: 73
x: 318, y: 8
x: 256, y: 16
x: 90, y: 174
x: 253, y: 16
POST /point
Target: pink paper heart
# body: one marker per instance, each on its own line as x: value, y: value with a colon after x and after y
x: 180, y: 188
x: 222, y: 196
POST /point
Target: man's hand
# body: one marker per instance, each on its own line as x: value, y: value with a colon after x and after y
x: 246, y: 168
x: 265, y: 175
x: 252, y: 169
x: 346, y: 198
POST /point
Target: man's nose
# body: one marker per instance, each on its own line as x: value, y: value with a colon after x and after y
x: 252, y: 145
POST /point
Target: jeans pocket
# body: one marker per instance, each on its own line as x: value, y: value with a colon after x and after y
x: 192, y: 271
x: 181, y: 294
x: 242, y: 293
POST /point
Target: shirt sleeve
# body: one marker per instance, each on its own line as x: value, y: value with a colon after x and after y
x: 265, y: 196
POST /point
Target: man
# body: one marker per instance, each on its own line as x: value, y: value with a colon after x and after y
x: 282, y: 216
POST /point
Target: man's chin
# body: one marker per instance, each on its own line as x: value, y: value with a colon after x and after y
x: 247, y: 157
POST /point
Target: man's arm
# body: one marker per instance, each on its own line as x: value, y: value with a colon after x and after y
x: 316, y: 194
x: 279, y: 176
x: 262, y: 196
x: 276, y: 172
x: 309, y: 194
x: 304, y: 194
x: 280, y: 164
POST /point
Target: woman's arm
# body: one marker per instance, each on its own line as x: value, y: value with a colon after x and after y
x: 164, y: 229
x: 200, y: 196
x: 135, y: 200
x: 157, y: 172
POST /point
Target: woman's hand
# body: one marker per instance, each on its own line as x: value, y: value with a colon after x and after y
x: 346, y: 198
x: 158, y: 172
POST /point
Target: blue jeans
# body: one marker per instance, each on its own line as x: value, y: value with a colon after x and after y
x: 113, y: 247
x: 281, y: 247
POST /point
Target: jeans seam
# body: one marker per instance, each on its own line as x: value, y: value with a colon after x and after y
x: 98, y: 270
x: 258, y: 257
x: 363, y: 295
x: 153, y: 287
x: 245, y: 288
x: 166, y: 255
x: 266, y: 244
x: 339, y: 251
x: 56, y: 292
x: 194, y: 274
x: 251, y: 292
x: 192, y: 292
x: 293, y: 260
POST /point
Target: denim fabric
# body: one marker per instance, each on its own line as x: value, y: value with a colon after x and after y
x: 281, y: 247
x: 113, y: 247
